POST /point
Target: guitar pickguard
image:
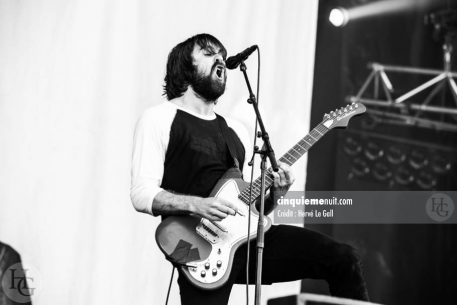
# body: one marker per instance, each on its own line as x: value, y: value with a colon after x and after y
x: 215, y: 242
x: 225, y: 237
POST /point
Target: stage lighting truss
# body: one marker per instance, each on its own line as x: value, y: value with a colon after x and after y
x: 401, y: 109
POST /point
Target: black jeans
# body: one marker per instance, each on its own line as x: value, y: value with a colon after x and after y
x: 291, y: 253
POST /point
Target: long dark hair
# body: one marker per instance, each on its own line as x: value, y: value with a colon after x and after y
x: 180, y: 69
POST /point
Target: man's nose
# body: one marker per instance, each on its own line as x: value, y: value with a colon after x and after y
x: 219, y: 59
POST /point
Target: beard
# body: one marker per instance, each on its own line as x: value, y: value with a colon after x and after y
x: 209, y: 87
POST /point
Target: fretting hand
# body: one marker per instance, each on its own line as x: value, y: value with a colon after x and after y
x: 283, y: 179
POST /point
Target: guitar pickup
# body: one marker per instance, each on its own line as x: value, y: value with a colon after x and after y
x: 221, y: 227
x: 209, y: 230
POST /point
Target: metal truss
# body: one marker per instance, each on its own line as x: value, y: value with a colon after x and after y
x: 401, y: 110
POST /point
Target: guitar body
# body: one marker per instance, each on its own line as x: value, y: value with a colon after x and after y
x: 209, y: 246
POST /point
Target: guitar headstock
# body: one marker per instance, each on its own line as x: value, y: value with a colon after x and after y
x: 340, y: 117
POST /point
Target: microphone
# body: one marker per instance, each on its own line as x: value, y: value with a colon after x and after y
x: 234, y: 61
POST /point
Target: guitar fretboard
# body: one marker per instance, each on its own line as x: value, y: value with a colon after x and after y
x: 297, y: 151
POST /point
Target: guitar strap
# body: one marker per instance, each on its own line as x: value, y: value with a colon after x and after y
x: 224, y: 130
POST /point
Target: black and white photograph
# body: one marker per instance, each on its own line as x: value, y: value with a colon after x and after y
x: 256, y: 152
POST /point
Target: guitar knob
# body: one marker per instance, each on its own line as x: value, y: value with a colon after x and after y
x: 219, y: 264
x: 203, y: 274
x: 207, y: 266
x: 214, y: 271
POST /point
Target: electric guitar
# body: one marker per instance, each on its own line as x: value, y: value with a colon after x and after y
x: 204, y: 249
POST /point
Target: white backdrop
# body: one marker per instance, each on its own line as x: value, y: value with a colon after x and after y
x: 74, y: 77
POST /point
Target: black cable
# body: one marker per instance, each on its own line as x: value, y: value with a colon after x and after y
x: 251, y: 182
x: 169, y: 286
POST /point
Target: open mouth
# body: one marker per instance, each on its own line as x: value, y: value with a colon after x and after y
x: 220, y: 71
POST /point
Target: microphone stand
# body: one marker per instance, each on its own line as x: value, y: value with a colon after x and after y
x: 265, y: 152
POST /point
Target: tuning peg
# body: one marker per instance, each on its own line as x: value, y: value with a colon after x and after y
x: 340, y: 112
x: 327, y: 116
x: 332, y: 113
x: 345, y: 109
x: 356, y: 105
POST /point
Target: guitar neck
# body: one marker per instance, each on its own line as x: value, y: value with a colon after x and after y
x: 290, y: 157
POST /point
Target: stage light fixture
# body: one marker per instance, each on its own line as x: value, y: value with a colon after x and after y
x: 339, y: 17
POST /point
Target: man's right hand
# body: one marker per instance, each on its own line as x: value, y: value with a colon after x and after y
x: 214, y: 209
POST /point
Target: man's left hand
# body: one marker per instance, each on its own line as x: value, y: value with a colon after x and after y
x: 283, y: 179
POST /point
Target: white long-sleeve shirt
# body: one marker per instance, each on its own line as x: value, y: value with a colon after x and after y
x: 151, y: 139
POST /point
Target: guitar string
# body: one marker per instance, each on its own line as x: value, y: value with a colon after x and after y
x: 290, y: 155
x: 288, y: 158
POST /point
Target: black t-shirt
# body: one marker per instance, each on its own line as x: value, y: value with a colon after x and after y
x: 197, y: 154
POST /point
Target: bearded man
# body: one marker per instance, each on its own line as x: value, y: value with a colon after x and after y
x: 181, y: 150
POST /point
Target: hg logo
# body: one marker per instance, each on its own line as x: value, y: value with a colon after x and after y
x: 440, y: 207
x: 15, y: 283
x: 20, y: 282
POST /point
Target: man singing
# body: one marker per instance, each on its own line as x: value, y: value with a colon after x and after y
x: 180, y: 152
